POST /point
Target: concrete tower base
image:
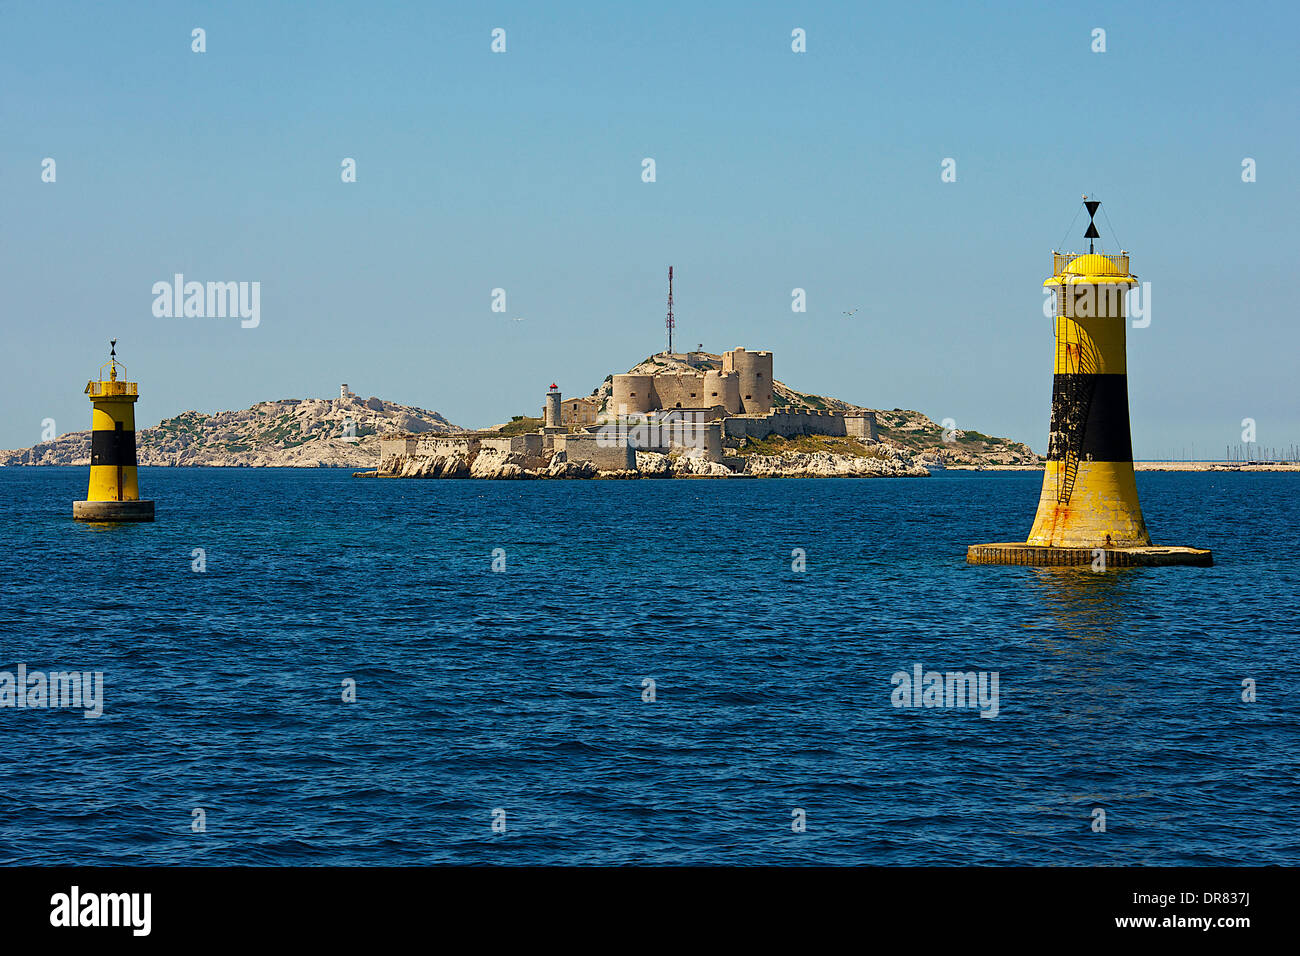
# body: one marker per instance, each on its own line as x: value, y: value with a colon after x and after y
x: 1047, y: 556
x: 112, y: 510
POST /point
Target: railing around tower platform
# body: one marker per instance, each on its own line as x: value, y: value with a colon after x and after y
x: 111, y: 388
x: 1061, y: 260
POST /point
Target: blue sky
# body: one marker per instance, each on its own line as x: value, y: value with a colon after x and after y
x: 522, y: 171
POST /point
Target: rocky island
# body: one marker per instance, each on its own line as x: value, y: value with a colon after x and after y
x: 291, y: 432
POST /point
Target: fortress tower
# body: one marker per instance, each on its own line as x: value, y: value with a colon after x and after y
x: 754, y: 374
x: 1088, y: 511
x: 722, y: 389
x: 633, y: 394
x: 114, y: 493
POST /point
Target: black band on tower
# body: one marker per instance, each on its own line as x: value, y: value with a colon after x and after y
x: 112, y: 448
x: 1090, y: 418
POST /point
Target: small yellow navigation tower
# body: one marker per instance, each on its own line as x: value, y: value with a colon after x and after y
x: 1088, y: 511
x: 114, y: 493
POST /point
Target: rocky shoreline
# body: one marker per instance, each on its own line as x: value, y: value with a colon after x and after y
x: 489, y: 464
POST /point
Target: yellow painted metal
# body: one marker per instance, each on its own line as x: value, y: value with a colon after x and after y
x: 112, y: 387
x: 1103, y: 510
x: 1091, y: 269
x: 1092, y: 346
x: 113, y: 409
x: 1090, y: 315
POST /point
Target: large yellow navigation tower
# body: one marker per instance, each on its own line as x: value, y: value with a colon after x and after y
x: 1088, y: 512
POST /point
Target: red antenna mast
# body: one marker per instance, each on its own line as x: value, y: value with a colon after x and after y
x: 671, y: 323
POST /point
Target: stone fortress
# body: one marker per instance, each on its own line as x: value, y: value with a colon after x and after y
x: 736, y: 383
x: 717, y: 401
x: 697, y: 405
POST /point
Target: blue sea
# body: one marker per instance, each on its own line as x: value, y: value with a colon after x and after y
x: 503, y: 716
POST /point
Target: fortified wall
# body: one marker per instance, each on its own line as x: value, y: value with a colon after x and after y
x: 604, y: 455
x: 395, y: 445
x: 688, y: 432
x: 786, y: 422
x: 789, y: 422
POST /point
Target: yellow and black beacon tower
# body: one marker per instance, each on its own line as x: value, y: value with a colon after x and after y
x: 114, y: 493
x: 1088, y: 512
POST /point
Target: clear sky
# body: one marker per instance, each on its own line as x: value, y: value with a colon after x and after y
x: 522, y: 170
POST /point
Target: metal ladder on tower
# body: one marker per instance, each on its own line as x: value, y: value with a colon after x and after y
x: 1069, y: 472
x: 1075, y: 358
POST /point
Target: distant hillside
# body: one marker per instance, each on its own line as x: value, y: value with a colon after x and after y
x: 300, y: 432
x: 916, y: 432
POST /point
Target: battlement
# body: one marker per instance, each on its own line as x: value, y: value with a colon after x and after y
x: 802, y: 410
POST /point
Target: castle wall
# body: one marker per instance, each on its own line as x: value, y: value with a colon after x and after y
x: 393, y: 447
x: 529, y: 444
x: 605, y: 456
x: 703, y: 439
x: 454, y: 445
x: 680, y: 391
x: 695, y: 432
x: 787, y: 422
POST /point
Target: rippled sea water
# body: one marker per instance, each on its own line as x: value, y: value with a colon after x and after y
x: 521, y: 690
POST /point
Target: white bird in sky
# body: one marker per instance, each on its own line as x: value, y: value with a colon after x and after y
x: 849, y: 315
